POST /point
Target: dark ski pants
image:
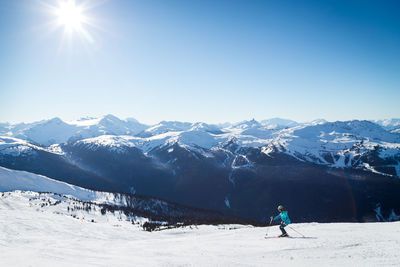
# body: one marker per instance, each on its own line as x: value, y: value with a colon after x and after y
x: 282, y: 227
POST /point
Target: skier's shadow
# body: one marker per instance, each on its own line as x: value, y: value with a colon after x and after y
x: 302, y: 237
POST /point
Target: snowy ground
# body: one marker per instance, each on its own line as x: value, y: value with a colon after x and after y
x: 31, y: 236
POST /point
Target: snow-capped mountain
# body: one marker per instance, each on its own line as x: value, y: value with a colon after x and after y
x: 225, y: 168
x: 316, y: 122
x: 344, y: 144
x: 251, y: 128
x: 56, y: 131
x: 108, y: 124
x: 46, y: 132
x: 392, y: 125
x: 279, y: 123
x: 338, y: 144
x: 4, y: 127
x: 165, y: 127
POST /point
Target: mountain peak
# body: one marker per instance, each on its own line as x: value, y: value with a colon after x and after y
x: 318, y: 121
x: 110, y: 117
x: 247, y: 124
x: 279, y: 122
x: 55, y: 120
x: 389, y: 124
x: 132, y: 120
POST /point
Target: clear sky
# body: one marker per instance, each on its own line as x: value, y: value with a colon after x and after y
x: 200, y: 60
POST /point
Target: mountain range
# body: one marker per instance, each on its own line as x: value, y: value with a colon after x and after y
x: 322, y: 171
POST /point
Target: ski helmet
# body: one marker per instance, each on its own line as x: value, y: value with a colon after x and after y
x: 280, y: 208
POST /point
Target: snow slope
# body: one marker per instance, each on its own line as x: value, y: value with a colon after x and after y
x: 11, y: 180
x: 15, y: 146
x: 34, y: 236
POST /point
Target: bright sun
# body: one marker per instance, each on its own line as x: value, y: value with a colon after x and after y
x: 73, y: 18
x: 70, y: 16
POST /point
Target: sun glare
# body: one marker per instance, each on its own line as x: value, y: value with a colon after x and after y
x: 70, y: 16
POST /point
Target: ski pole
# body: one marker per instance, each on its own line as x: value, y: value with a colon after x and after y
x: 270, y: 222
x: 296, y: 231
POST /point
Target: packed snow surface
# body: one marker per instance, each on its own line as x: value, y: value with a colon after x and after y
x: 47, y: 230
x: 31, y: 236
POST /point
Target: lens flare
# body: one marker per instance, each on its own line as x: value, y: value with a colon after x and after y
x: 70, y: 16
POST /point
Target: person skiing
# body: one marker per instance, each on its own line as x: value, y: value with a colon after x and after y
x: 283, y: 215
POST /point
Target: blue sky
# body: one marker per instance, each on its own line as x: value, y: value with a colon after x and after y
x: 211, y: 61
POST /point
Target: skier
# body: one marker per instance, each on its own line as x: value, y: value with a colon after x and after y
x: 283, y: 215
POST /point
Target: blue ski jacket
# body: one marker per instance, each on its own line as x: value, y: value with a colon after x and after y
x: 284, y: 217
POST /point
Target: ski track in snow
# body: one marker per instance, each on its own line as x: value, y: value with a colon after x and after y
x: 40, y: 237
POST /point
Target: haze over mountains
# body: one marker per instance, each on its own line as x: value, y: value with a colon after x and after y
x: 352, y: 168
